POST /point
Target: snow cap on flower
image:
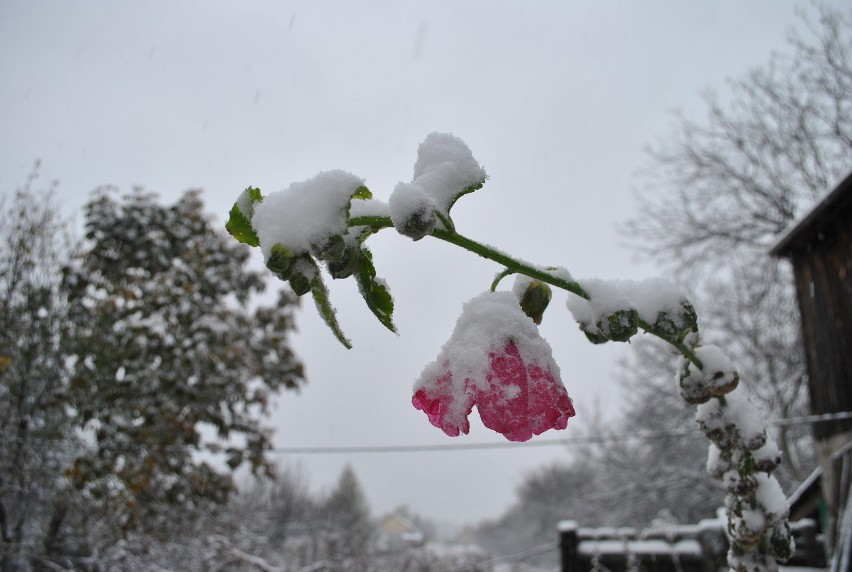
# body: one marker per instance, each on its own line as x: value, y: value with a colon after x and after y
x: 496, y: 360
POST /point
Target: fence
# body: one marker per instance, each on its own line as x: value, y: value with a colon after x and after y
x: 701, y: 547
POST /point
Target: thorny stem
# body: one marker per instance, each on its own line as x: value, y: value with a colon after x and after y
x: 514, y: 265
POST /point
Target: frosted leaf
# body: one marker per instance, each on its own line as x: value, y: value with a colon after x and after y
x: 246, y: 201
x: 736, y: 424
x: 306, y: 213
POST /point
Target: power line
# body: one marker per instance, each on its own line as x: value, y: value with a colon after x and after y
x: 568, y: 442
x: 444, y: 447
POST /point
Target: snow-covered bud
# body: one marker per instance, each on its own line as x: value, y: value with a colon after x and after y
x: 736, y: 424
x: 781, y: 543
x: 347, y: 264
x: 619, y: 326
x: 608, y: 315
x: 741, y: 559
x: 302, y: 274
x: 766, y: 458
x: 300, y: 284
x: 534, y: 300
x: 412, y: 211
x: 746, y: 527
x: 677, y: 323
x: 280, y: 261
x: 720, y: 462
x: 717, y: 378
x: 771, y: 498
x: 330, y: 248
x: 737, y: 484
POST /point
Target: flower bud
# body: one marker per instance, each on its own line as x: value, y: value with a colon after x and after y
x: 676, y: 325
x: 593, y: 334
x: 331, y: 248
x: 412, y: 211
x: 300, y: 284
x: 781, y: 542
x: 280, y: 261
x: 535, y: 299
x: 619, y: 326
x: 347, y: 264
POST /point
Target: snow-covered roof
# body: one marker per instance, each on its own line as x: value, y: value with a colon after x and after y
x: 796, y: 230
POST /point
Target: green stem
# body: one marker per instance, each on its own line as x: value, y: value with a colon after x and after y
x: 680, y: 346
x: 510, y: 263
x: 516, y: 266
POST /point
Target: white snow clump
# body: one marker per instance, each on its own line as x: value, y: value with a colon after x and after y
x: 444, y: 170
x: 306, y: 213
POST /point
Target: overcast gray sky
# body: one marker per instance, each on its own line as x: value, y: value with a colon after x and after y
x: 555, y: 99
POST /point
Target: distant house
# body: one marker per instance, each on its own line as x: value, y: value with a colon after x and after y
x: 396, y: 532
x: 819, y: 247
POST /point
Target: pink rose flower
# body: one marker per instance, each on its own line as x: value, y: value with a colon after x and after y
x: 495, y: 360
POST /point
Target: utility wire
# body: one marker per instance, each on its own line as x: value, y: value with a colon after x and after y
x: 578, y: 441
x: 566, y: 442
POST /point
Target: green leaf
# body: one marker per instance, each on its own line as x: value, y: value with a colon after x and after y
x: 240, y: 228
x: 362, y: 193
x: 239, y: 221
x: 467, y: 190
x: 326, y: 310
x: 375, y: 293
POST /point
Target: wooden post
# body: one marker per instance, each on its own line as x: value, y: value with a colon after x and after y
x: 568, y: 545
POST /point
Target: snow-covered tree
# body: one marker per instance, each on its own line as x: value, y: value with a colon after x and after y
x: 168, y: 360
x: 34, y: 421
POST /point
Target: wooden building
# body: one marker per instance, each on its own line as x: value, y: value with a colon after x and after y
x: 819, y: 247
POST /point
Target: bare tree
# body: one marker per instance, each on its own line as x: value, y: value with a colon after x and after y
x: 721, y: 190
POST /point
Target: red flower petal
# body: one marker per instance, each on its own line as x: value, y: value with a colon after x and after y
x: 522, y: 399
x: 437, y: 403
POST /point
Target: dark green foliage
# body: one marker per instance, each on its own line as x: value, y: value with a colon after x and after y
x: 375, y: 293
x: 239, y: 222
x: 164, y: 344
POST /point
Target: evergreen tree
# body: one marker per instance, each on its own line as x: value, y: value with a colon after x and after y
x: 348, y: 517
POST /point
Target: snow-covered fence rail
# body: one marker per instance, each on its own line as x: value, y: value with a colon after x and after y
x: 698, y: 547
